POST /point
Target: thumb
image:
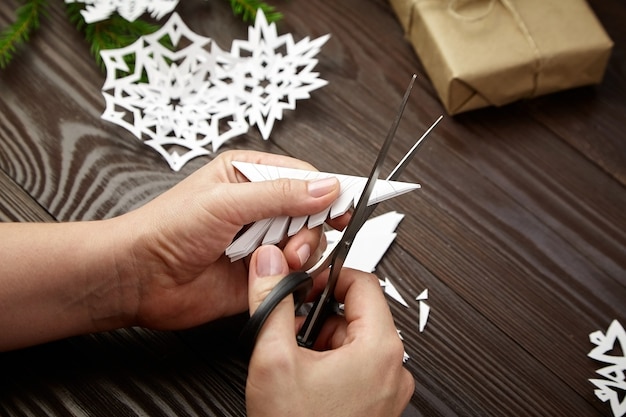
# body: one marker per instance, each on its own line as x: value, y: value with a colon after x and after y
x: 268, y: 266
x: 254, y: 201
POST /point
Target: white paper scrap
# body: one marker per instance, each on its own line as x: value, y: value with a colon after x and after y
x: 371, y: 242
x: 392, y: 292
x: 423, y: 295
x: 611, y: 350
x: 424, y: 311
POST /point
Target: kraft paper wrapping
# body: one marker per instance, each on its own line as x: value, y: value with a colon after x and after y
x: 481, y: 53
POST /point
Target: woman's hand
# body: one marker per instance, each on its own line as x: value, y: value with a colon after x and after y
x: 161, y: 266
x: 182, y: 276
x: 357, y: 371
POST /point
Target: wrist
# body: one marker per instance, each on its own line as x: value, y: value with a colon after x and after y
x: 112, y: 288
x: 62, y: 280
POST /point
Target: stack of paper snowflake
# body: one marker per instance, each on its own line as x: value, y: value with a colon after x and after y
x: 188, y: 100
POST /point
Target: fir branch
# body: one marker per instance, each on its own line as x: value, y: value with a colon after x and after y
x: 115, y: 32
x: 27, y: 20
x: 247, y: 10
x: 112, y: 33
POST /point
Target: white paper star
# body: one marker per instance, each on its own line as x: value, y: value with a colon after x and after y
x: 97, y: 10
x: 184, y: 100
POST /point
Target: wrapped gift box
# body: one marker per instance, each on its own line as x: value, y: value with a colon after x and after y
x: 481, y: 53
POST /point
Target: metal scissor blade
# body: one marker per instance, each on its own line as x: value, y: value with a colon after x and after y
x: 313, y: 323
x: 395, y: 173
x: 324, y: 262
x: 409, y: 155
x: 360, y: 214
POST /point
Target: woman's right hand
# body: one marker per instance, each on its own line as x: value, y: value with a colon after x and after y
x: 357, y: 371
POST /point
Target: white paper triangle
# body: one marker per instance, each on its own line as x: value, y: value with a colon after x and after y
x: 392, y: 292
x: 424, y: 312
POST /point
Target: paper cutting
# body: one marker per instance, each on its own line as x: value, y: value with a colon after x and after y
x: 423, y: 314
x: 351, y: 190
x: 97, y: 10
x: 611, y: 350
x: 392, y: 292
x: 424, y: 309
x: 276, y: 73
x: 188, y: 101
x: 372, y: 241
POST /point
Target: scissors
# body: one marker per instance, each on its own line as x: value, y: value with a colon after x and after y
x: 300, y: 283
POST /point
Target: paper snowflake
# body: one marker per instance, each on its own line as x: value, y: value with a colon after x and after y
x: 97, y: 10
x: 277, y: 73
x: 611, y: 350
x: 184, y: 100
x: 271, y: 231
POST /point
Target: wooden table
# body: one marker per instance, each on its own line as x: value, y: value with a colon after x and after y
x: 519, y: 231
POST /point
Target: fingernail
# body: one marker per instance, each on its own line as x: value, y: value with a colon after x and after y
x: 269, y: 261
x: 321, y: 187
x: 303, y: 252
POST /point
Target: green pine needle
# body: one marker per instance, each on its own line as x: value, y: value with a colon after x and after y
x: 112, y: 33
x: 247, y: 10
x: 115, y: 32
x: 27, y: 20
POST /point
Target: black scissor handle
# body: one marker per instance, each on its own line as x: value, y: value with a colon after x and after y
x: 297, y: 283
x: 324, y: 306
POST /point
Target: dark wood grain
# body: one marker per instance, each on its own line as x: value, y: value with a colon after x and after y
x: 17, y: 205
x: 518, y: 232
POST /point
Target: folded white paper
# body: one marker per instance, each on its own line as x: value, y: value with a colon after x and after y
x: 351, y: 189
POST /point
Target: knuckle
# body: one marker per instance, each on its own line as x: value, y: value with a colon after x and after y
x: 225, y: 157
x: 284, y: 187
